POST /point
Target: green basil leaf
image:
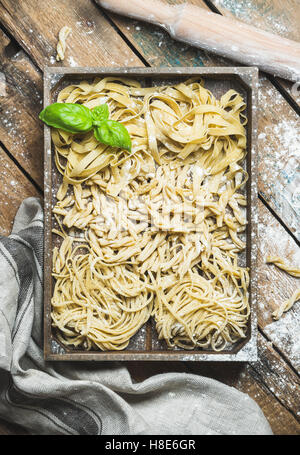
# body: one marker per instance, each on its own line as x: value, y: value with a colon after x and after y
x: 70, y: 117
x: 113, y: 133
x: 100, y: 114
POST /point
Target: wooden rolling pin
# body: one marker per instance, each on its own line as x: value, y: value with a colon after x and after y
x: 215, y: 33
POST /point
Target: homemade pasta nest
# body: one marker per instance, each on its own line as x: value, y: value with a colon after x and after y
x: 155, y: 231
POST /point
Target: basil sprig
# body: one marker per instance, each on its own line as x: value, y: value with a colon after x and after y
x: 113, y: 133
x: 76, y: 118
x: 70, y: 117
x: 100, y: 114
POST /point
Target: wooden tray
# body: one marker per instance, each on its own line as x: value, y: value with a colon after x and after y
x: 145, y: 345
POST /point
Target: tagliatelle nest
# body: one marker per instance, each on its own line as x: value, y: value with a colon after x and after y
x: 155, y: 231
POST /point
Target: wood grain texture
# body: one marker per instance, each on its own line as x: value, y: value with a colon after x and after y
x: 272, y: 371
x: 278, y: 123
x: 20, y: 103
x: 292, y: 89
x: 270, y: 382
x: 275, y: 16
x: 31, y: 39
x: 277, y: 286
x: 35, y: 27
x: 93, y: 41
x: 278, y: 148
x: 208, y: 30
x: 13, y: 189
x: 159, y: 49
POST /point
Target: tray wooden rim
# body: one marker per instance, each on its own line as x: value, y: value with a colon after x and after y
x: 248, y: 351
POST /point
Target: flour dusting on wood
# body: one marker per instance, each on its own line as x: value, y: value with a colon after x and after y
x: 285, y: 333
x: 279, y: 149
x: 276, y: 286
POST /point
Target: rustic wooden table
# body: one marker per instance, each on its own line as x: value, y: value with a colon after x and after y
x: 28, y: 38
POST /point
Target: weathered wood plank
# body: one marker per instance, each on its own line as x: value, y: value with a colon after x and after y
x: 269, y: 381
x: 119, y: 54
x: 20, y: 103
x: 274, y: 191
x: 159, y: 49
x: 162, y: 51
x: 13, y: 189
x: 278, y: 147
x: 231, y: 374
x: 292, y: 89
x: 21, y: 81
x: 278, y: 123
x: 212, y: 31
x: 93, y: 41
x: 277, y: 286
x: 272, y: 372
x: 275, y: 16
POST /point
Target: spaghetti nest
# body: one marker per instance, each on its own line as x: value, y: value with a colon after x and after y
x: 155, y: 231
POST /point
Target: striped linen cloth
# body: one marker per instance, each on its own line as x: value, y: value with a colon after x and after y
x: 93, y: 398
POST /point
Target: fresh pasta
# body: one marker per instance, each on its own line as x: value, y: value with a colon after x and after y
x: 61, y: 45
x: 155, y: 232
x: 286, y: 305
x: 291, y: 270
x: 279, y: 262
